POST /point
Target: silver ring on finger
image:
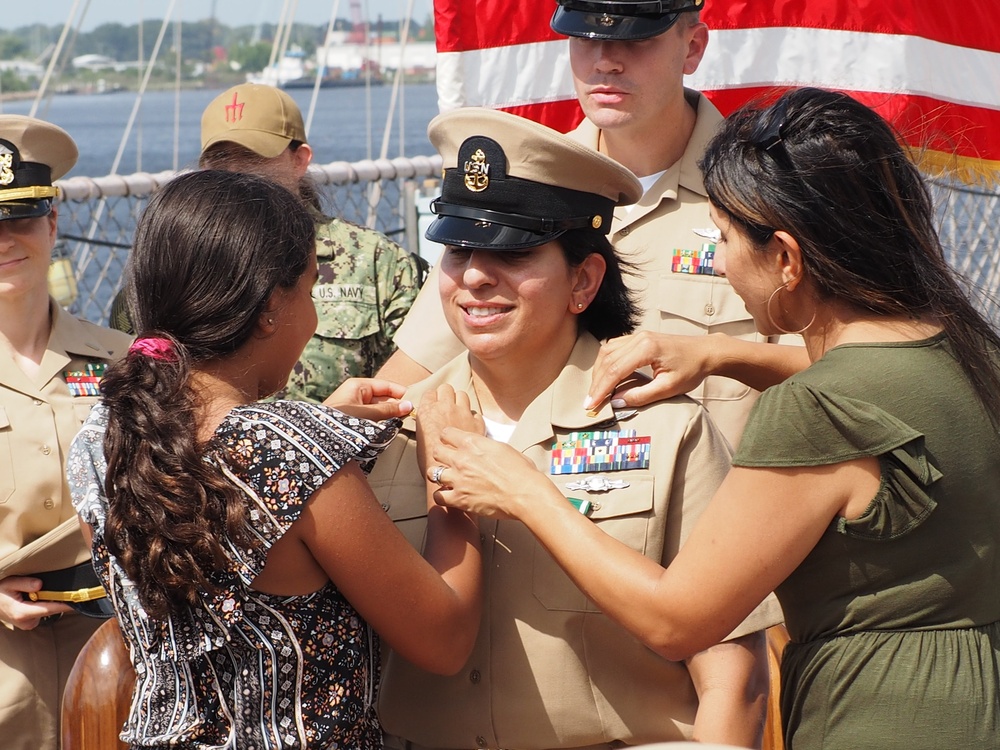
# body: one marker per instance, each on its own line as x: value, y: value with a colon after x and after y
x: 436, y: 473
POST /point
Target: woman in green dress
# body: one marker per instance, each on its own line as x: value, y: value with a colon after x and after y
x: 866, y: 490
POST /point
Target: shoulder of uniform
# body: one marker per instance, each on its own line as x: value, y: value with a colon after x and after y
x: 110, y: 343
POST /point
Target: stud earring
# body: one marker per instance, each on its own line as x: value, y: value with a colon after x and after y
x: 579, y: 305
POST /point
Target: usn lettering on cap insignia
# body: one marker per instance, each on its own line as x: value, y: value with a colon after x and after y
x: 477, y: 172
x: 6, y: 165
x: 600, y: 450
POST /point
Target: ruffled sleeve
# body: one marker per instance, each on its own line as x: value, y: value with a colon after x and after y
x: 797, y: 424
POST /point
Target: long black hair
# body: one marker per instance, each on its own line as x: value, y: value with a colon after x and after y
x: 835, y: 175
x: 209, y: 251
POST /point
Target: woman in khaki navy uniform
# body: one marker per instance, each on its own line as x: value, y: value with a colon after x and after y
x: 50, y: 365
x: 529, y: 283
x: 659, y: 132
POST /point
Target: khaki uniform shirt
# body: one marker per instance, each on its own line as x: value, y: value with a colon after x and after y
x: 365, y: 288
x: 657, y: 235
x: 39, y: 417
x: 549, y: 670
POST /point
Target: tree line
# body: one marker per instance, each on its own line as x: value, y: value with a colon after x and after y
x: 202, y: 43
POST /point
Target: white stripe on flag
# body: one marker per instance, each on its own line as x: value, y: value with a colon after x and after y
x: 892, y: 63
x: 509, y: 76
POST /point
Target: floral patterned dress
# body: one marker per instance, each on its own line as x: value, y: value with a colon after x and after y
x: 248, y: 669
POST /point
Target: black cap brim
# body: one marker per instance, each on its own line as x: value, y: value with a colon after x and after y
x: 78, y: 578
x: 485, y: 235
x: 610, y: 26
x: 25, y: 209
x: 98, y: 608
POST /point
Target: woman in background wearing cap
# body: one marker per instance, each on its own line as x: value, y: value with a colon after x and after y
x: 530, y: 284
x: 50, y: 364
x: 248, y: 561
x: 866, y: 489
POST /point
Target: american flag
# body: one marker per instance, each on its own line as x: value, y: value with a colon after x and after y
x: 931, y: 68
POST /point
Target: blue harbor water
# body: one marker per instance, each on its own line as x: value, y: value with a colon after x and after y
x: 347, y: 125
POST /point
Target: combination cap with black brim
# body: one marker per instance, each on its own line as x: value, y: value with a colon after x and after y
x: 79, y: 587
x: 621, y: 20
x: 33, y: 154
x: 510, y: 183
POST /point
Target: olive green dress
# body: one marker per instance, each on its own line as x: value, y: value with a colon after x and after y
x: 893, y: 616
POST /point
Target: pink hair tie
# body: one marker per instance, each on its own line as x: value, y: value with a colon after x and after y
x: 155, y: 348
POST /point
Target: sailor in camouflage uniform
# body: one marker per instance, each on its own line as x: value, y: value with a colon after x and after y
x: 366, y: 282
x: 365, y: 288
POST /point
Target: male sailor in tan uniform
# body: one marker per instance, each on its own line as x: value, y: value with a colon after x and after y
x: 628, y: 61
x: 50, y: 366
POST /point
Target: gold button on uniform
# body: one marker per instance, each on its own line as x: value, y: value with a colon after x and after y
x: 709, y: 309
x: 475, y: 677
x: 49, y: 504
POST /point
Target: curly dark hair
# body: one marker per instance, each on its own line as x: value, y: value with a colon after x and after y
x: 835, y: 175
x: 209, y: 250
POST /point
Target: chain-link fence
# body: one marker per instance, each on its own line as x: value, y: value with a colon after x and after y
x: 98, y: 216
x: 969, y: 224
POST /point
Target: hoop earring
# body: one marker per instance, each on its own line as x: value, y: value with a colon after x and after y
x: 771, y: 320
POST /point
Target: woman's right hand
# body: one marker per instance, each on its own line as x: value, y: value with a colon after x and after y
x: 487, y: 477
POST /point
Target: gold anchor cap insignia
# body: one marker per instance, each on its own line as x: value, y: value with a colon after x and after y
x: 477, y: 172
x: 606, y: 21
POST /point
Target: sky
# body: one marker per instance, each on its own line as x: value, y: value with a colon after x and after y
x: 16, y: 13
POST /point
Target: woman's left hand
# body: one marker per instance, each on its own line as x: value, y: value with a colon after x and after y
x: 485, y: 477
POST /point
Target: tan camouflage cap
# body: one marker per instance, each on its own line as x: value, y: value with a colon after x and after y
x: 261, y: 118
x: 33, y: 153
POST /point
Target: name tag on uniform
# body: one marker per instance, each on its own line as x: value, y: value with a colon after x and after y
x: 346, y: 292
x: 85, y: 382
x: 600, y: 450
x: 701, y: 262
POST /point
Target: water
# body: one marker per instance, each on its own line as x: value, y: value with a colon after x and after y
x: 340, y: 128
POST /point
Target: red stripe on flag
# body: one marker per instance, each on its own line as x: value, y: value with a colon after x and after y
x: 973, y: 24
x: 968, y: 135
x: 461, y: 25
x: 562, y: 115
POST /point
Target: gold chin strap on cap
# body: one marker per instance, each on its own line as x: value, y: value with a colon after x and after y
x: 35, y: 192
x: 75, y: 597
